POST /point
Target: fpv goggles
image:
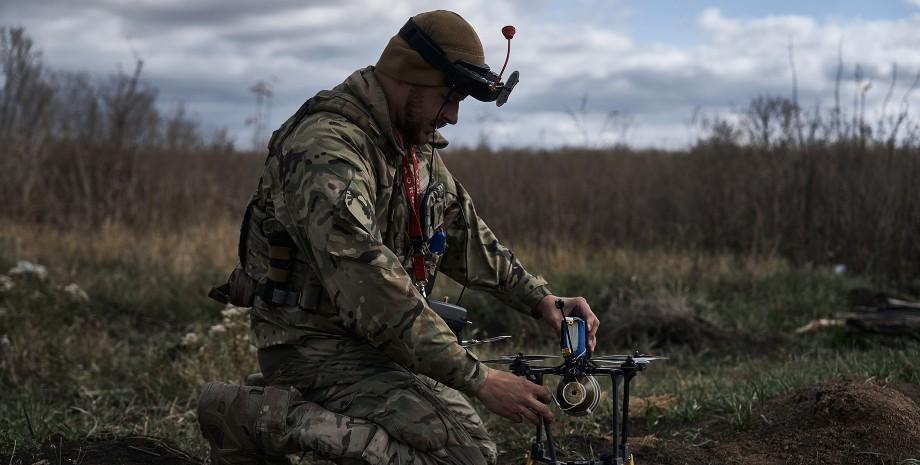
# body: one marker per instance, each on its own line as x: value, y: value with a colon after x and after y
x: 477, y: 81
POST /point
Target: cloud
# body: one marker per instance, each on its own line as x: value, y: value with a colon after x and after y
x: 208, y: 52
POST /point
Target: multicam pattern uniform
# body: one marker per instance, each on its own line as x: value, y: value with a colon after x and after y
x: 362, y: 331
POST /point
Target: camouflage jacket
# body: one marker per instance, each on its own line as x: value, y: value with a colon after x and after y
x: 333, y: 182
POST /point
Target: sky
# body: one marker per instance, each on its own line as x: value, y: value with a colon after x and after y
x: 593, y: 72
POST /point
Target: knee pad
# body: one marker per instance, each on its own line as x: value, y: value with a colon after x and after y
x: 244, y: 418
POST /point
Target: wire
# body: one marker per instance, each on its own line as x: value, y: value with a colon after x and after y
x: 432, y: 179
x: 466, y: 256
x: 466, y: 224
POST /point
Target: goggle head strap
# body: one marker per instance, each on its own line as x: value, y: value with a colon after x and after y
x: 475, y: 80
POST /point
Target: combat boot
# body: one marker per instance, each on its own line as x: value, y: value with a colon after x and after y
x: 235, y: 419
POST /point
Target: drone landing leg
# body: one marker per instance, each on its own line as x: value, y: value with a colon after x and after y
x: 550, y: 443
x: 536, y: 452
x: 626, y: 380
x: 616, y: 414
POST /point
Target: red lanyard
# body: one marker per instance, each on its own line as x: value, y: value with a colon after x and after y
x: 412, y: 189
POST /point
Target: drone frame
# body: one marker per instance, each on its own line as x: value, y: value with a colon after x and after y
x: 620, y: 375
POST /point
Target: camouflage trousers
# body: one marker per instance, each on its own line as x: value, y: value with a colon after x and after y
x: 385, y: 413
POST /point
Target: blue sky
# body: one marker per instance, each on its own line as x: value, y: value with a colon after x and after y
x: 653, y: 65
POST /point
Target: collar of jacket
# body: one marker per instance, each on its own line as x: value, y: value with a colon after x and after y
x: 360, y: 98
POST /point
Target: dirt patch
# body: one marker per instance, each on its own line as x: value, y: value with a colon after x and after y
x: 840, y: 421
x: 131, y: 450
x: 664, y: 323
x: 650, y: 450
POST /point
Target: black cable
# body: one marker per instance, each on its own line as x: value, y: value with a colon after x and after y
x: 466, y: 256
x: 466, y: 224
x: 433, y: 179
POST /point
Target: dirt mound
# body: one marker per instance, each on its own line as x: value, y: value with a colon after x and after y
x: 130, y: 450
x: 846, y: 420
x: 840, y: 421
x: 663, y: 323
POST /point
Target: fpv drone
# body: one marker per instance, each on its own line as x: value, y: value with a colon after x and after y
x: 578, y: 392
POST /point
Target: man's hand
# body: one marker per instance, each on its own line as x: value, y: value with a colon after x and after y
x: 515, y: 398
x: 574, y: 306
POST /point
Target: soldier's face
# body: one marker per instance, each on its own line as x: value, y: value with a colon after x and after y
x: 422, y: 108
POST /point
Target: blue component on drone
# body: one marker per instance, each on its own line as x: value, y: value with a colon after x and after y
x: 438, y: 242
x: 574, y: 337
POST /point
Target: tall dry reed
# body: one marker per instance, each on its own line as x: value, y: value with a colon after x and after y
x: 808, y: 187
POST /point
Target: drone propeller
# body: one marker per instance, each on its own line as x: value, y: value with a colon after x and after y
x: 511, y: 358
x: 473, y: 342
x: 623, y: 358
x: 621, y: 361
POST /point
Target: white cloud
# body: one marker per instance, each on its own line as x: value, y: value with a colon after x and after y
x: 209, y: 52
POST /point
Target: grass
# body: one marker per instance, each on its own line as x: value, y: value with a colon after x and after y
x: 130, y: 357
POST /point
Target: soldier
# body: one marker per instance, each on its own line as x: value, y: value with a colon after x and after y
x: 354, y: 214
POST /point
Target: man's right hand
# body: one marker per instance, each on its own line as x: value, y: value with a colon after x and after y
x: 515, y: 398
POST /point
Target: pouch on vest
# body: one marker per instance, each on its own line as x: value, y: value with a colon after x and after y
x: 239, y: 290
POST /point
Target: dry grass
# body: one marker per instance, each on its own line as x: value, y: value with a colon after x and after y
x: 68, y: 251
x: 781, y: 183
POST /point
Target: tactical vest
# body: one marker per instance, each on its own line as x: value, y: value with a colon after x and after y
x: 270, y: 264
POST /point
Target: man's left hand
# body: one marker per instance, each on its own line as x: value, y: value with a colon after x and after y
x: 574, y: 306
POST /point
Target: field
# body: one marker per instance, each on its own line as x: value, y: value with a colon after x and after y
x: 712, y: 256
x: 126, y: 357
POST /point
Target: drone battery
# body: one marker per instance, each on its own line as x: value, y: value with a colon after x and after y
x: 574, y: 336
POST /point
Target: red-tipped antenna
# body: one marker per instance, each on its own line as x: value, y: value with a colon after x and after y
x: 508, y: 32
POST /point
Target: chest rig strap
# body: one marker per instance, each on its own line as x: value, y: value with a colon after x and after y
x: 412, y: 186
x: 276, y: 289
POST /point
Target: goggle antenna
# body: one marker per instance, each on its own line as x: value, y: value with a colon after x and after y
x: 508, y: 32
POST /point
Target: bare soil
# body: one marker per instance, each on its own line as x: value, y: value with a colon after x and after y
x: 839, y: 421
x: 848, y: 420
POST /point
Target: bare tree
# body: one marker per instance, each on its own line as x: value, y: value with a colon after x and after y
x: 262, y: 117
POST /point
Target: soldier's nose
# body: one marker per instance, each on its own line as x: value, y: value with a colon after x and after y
x: 451, y: 113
